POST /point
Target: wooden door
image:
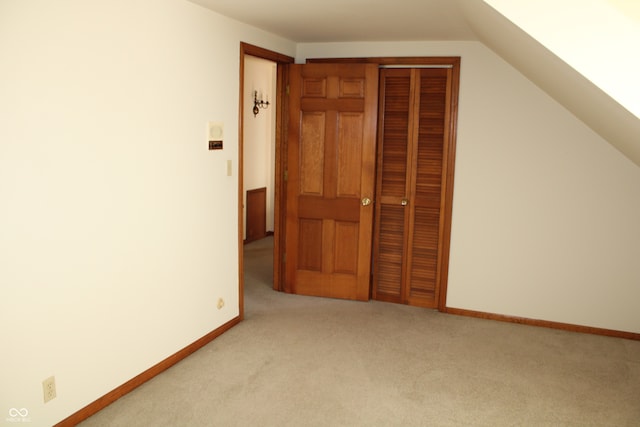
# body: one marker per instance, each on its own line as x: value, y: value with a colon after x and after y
x: 330, y: 179
x: 413, y: 136
x: 256, y: 218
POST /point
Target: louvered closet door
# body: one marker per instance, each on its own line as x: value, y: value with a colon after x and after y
x: 390, y: 237
x: 412, y: 135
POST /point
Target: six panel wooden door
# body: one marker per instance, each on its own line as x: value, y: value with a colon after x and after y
x: 330, y: 179
x: 410, y: 200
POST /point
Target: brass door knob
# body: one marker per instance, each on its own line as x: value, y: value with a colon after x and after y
x: 366, y: 201
x: 404, y: 202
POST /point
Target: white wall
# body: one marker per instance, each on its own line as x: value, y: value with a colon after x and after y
x: 118, y: 227
x: 545, y: 213
x: 259, y: 132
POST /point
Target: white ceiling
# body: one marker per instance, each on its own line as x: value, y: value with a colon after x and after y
x: 305, y: 21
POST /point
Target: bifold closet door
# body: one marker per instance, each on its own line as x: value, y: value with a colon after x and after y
x: 409, y: 200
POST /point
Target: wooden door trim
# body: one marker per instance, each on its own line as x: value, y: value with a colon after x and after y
x: 447, y: 182
x: 279, y: 193
x: 450, y: 146
x: 452, y: 61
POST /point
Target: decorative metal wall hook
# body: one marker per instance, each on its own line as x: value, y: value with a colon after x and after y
x: 258, y: 104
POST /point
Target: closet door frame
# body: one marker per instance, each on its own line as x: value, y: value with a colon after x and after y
x: 448, y: 173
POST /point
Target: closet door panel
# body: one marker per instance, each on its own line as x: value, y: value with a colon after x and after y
x: 393, y: 168
x: 393, y: 180
x: 424, y: 257
x: 427, y: 201
x: 390, y: 253
x: 431, y: 135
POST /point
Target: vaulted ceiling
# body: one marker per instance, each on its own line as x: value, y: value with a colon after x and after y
x: 446, y: 20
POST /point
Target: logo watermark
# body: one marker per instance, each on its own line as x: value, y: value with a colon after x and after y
x: 18, y: 415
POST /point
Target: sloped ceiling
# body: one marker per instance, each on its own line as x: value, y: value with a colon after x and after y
x: 566, y: 85
x: 409, y: 20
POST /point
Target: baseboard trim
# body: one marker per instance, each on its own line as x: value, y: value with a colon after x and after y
x: 543, y: 323
x: 135, y: 382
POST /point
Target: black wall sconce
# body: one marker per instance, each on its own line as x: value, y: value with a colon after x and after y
x: 258, y: 104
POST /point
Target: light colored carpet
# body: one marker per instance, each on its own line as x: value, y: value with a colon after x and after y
x: 303, y: 361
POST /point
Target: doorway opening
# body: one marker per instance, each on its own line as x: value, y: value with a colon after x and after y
x: 259, y: 142
x: 262, y: 78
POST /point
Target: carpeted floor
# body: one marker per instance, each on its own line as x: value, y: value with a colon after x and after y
x: 304, y: 361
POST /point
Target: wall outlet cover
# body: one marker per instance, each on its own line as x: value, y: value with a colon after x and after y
x: 49, y: 388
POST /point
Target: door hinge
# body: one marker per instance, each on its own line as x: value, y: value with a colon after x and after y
x: 286, y: 175
x: 287, y: 89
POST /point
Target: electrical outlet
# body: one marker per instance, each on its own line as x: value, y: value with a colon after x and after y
x: 49, y: 389
x: 220, y: 303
